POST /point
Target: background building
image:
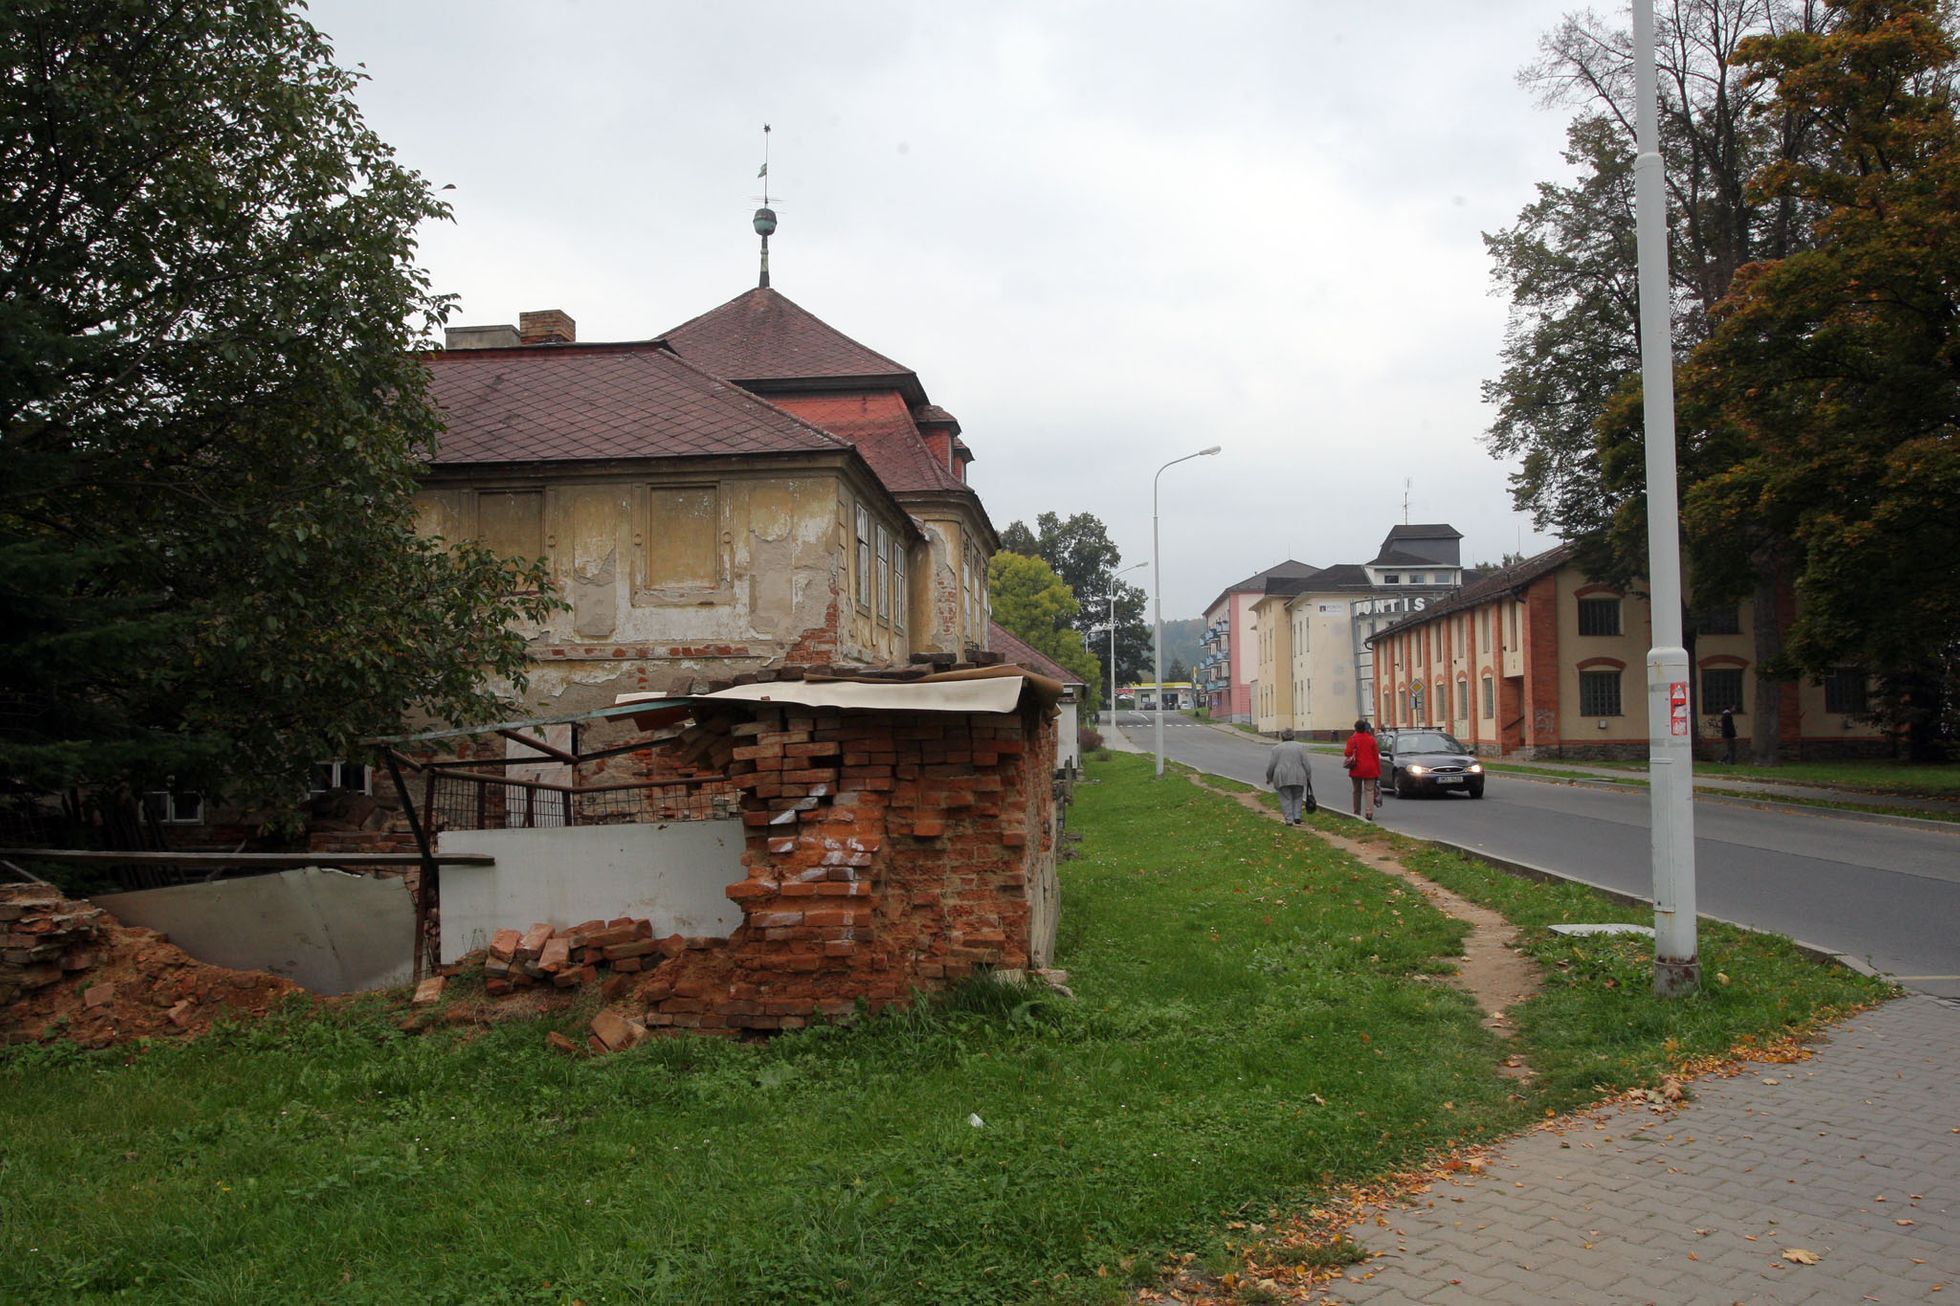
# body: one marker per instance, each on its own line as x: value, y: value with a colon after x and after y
x: 1540, y: 660
x: 1305, y: 629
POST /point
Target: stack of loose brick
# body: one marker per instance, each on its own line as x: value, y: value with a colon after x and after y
x: 567, y: 958
x: 44, y: 936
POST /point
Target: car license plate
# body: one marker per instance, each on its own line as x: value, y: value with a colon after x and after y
x: 1449, y: 779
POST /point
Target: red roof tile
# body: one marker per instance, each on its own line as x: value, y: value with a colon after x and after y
x: 761, y: 335
x: 601, y: 401
x: 881, y: 428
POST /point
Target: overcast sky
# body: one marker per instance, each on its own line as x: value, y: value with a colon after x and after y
x: 1104, y: 235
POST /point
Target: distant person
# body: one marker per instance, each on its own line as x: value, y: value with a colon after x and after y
x: 1363, y: 761
x: 1728, y: 735
x: 1287, y: 773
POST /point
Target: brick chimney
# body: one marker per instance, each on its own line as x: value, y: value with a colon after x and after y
x: 547, y: 326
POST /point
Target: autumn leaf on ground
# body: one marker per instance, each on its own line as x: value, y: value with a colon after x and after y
x: 1801, y: 1256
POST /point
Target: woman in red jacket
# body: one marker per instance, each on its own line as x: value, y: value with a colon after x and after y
x: 1364, y: 765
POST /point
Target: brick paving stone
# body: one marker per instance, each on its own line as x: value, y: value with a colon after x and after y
x: 1826, y: 1154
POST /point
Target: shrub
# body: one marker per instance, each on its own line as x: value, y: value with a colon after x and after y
x: 1089, y: 739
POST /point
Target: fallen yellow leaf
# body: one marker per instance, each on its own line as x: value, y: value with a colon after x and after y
x: 1801, y: 1255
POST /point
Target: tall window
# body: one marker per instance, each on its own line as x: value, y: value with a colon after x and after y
x: 884, y: 582
x: 1845, y: 690
x: 1514, y: 627
x: 1463, y: 698
x: 901, y: 597
x: 1490, y: 699
x: 1599, y: 693
x: 1599, y: 617
x: 863, y: 556
x: 1483, y: 629
x: 1721, y: 687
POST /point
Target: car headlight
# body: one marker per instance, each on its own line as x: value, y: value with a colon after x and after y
x: 1413, y: 769
x: 1476, y: 768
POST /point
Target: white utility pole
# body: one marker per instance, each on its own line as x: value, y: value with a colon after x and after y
x: 1157, y: 594
x: 1670, y: 743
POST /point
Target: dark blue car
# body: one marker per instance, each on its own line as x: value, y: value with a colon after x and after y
x: 1419, y: 761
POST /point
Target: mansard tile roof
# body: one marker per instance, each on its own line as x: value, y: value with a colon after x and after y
x: 574, y: 402
x: 762, y: 335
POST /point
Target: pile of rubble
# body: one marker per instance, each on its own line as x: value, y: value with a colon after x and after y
x: 43, y: 937
x: 574, y: 956
x: 69, y: 969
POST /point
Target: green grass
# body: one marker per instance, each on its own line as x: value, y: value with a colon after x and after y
x: 1596, y: 1026
x: 1250, y: 1028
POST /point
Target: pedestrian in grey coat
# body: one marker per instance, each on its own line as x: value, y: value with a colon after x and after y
x: 1287, y: 773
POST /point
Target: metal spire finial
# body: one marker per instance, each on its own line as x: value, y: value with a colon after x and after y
x: 765, y: 217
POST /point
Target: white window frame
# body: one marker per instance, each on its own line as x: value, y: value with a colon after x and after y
x: 882, y: 586
x: 863, y: 556
x: 178, y: 806
x: 336, y: 774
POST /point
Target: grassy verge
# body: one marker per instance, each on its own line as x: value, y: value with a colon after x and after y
x: 1250, y: 1028
x: 1597, y: 1027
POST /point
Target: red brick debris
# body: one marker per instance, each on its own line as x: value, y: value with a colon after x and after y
x: 69, y: 966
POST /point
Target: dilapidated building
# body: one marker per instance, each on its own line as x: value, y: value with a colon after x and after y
x: 751, y: 489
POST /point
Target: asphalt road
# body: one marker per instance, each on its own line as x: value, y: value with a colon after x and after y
x: 1883, y: 893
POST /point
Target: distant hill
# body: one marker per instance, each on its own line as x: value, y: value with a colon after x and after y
x: 1183, y: 642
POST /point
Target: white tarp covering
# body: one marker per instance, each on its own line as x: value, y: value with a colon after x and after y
x: 994, y: 693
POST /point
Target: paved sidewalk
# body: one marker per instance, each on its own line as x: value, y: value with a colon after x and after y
x: 1853, y: 1155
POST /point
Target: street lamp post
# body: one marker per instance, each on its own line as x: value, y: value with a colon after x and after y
x: 1157, y: 594
x: 1670, y: 747
x: 1112, y: 638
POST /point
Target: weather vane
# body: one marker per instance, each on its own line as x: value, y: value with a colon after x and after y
x: 765, y: 217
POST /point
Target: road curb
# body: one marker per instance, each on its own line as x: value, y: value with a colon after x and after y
x: 1546, y: 875
x: 1753, y: 801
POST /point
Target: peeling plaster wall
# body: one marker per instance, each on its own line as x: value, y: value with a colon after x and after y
x: 676, y: 579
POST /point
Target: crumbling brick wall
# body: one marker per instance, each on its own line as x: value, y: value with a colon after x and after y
x: 886, y: 852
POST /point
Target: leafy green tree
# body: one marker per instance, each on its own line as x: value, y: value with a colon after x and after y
x: 1832, y: 379
x: 211, y: 417
x: 1082, y: 554
x: 1031, y: 601
x: 1567, y: 399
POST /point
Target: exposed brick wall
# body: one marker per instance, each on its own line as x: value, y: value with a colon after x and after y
x: 886, y: 852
